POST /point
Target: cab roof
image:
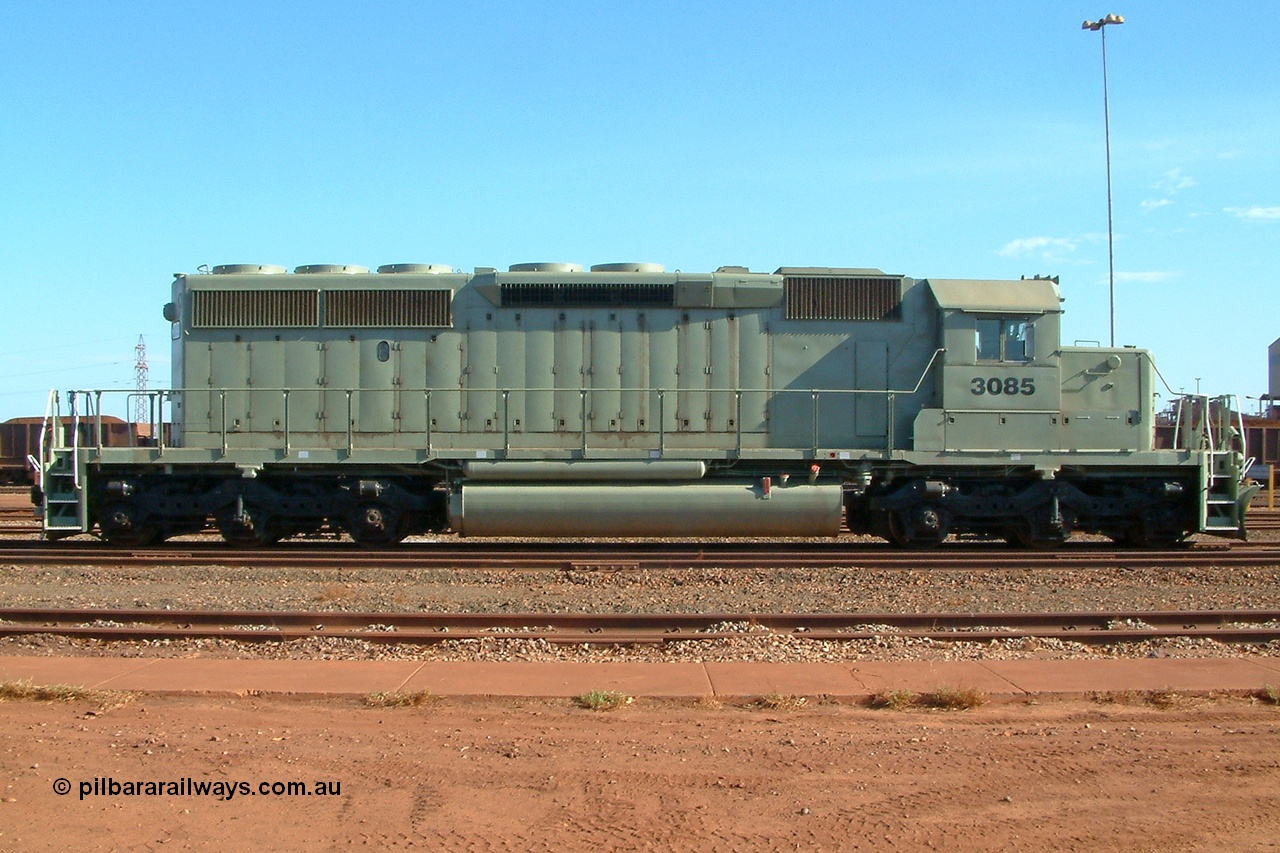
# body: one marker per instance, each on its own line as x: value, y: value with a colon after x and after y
x: 1031, y: 295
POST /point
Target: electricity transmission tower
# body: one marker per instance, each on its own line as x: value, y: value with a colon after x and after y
x: 141, y: 411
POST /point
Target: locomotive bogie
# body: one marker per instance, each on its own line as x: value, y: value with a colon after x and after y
x: 1148, y: 508
x: 134, y: 510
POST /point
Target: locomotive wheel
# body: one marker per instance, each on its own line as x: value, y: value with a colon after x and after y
x: 1023, y: 536
x: 375, y: 525
x: 1142, y: 534
x: 924, y: 526
x: 1157, y: 527
x: 123, y: 525
x: 250, y: 527
x: 1038, y: 532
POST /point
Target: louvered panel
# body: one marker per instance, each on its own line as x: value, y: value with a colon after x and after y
x: 553, y: 294
x: 842, y: 298
x: 377, y: 308
x: 235, y: 309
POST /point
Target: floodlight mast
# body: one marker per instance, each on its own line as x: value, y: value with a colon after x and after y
x: 1100, y: 26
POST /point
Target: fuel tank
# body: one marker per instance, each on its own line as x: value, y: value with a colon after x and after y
x: 743, y: 508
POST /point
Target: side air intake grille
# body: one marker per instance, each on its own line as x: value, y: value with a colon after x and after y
x: 372, y: 308
x: 249, y: 309
x: 586, y: 295
x: 843, y: 298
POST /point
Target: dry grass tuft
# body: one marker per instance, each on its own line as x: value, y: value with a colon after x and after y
x: 781, y: 702
x: 399, y: 699
x: 1115, y: 697
x: 943, y: 698
x: 17, y: 691
x: 1269, y: 694
x: 603, y: 700
x: 894, y: 700
x: 955, y: 698
x: 25, y: 690
x: 1165, y: 698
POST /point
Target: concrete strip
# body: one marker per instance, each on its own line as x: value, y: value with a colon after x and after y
x: 1271, y: 666
x: 926, y: 676
x: 1102, y: 676
x: 745, y: 678
x: 559, y: 678
x: 565, y: 678
x: 307, y: 677
x: 74, y: 672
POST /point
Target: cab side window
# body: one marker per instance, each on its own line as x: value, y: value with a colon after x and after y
x: 1017, y: 340
x: 1005, y: 339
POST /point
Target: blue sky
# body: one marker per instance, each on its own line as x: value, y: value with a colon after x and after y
x: 924, y: 138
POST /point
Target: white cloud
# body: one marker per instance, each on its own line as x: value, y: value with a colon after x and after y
x: 1255, y: 213
x: 1048, y: 247
x: 1175, y: 181
x: 1153, y: 204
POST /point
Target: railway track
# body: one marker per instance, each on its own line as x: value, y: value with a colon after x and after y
x: 1264, y: 519
x: 1231, y: 626
x: 594, y: 556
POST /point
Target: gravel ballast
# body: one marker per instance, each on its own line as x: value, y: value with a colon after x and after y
x: 848, y: 590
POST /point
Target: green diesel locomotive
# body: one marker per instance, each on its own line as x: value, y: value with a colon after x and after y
x: 623, y: 400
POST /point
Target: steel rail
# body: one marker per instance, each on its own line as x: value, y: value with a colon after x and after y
x: 26, y: 524
x: 586, y: 556
x: 1232, y: 626
x: 1262, y: 519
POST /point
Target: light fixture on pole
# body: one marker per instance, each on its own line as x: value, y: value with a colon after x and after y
x: 1100, y: 26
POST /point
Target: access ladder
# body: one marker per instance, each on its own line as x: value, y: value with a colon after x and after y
x: 1214, y: 428
x: 64, y: 510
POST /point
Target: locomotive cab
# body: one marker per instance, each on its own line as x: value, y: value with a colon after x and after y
x: 999, y: 386
x: 1008, y: 386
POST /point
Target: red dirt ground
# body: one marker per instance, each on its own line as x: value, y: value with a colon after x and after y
x: 476, y: 775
